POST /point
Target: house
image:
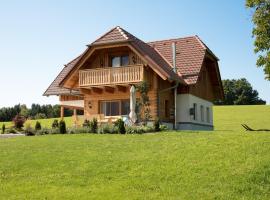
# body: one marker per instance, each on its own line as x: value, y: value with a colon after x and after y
x: 183, y: 76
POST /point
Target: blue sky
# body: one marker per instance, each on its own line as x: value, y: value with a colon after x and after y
x: 38, y: 37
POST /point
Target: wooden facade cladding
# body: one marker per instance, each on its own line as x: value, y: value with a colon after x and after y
x: 204, y: 86
x: 111, y: 75
x: 70, y: 98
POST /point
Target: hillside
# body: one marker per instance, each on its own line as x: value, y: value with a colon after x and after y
x: 228, y: 118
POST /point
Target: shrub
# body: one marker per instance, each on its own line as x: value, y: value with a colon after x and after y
x: 86, y: 123
x: 139, y: 129
x: 62, y: 127
x: 121, y: 126
x: 55, y: 124
x: 54, y: 131
x: 18, y: 121
x: 3, y: 128
x: 157, y: 125
x: 78, y: 130
x: 163, y: 127
x: 135, y: 130
x: 94, y: 126
x: 40, y: 116
x: 29, y: 131
x: 105, y: 129
x: 38, y: 126
x: 43, y: 131
x: 12, y: 130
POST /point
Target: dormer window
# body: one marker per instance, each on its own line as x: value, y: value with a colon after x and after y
x: 118, y: 61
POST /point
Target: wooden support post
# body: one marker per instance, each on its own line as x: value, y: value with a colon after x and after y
x: 62, y: 112
x: 75, y: 116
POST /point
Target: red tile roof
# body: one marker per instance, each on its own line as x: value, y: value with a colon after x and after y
x: 190, y: 53
x: 54, y: 88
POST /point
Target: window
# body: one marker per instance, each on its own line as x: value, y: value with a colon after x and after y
x: 195, y: 111
x: 125, y: 109
x: 208, y: 115
x: 202, y: 113
x: 118, y: 61
x: 124, y: 60
x: 166, y: 108
x: 114, y: 108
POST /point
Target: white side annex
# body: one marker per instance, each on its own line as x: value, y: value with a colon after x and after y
x: 194, y: 113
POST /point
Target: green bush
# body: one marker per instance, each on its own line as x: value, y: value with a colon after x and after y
x: 108, y: 129
x: 43, y: 131
x: 94, y: 126
x: 121, y: 126
x: 29, y: 131
x: 86, y: 123
x: 139, y: 129
x: 78, y: 130
x: 3, y: 128
x: 157, y: 125
x: 135, y: 130
x: 54, y: 131
x: 38, y: 126
x: 55, y: 124
x: 62, y: 127
x: 163, y: 127
x: 12, y: 130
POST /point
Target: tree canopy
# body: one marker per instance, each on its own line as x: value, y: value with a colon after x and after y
x: 261, y: 32
x: 239, y: 92
x: 35, y: 112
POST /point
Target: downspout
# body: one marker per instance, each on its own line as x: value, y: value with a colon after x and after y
x: 170, y: 88
x: 175, y: 89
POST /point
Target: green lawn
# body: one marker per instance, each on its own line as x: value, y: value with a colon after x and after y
x: 224, y: 164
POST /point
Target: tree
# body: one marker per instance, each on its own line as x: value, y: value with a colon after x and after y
x: 144, y: 103
x: 24, y: 111
x: 239, y: 92
x: 261, y: 32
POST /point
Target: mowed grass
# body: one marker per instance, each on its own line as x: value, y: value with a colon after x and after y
x: 230, y: 118
x: 224, y: 164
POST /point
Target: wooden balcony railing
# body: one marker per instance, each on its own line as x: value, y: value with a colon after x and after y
x: 111, y: 75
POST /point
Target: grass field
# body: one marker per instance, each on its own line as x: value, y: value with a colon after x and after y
x: 224, y: 164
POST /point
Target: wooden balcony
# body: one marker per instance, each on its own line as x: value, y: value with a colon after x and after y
x: 111, y: 76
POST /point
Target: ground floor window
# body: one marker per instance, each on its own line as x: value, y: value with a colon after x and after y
x: 115, y: 107
x: 202, y: 113
x: 208, y: 114
x: 195, y: 111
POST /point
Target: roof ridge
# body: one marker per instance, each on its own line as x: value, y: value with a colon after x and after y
x: 122, y: 32
x: 105, y: 34
x: 179, y: 38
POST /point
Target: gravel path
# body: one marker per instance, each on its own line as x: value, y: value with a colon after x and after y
x: 3, y: 136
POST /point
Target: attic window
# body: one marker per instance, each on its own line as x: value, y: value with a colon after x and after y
x: 118, y: 61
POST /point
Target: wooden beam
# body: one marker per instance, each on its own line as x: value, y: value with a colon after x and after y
x: 85, y: 90
x: 97, y: 90
x: 109, y: 89
x: 121, y: 88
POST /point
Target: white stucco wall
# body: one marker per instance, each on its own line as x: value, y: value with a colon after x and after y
x: 183, y: 117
